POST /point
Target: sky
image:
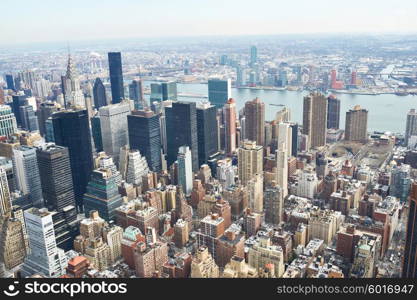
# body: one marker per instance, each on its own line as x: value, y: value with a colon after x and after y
x: 27, y: 21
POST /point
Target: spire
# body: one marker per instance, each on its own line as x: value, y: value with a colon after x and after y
x: 71, y: 72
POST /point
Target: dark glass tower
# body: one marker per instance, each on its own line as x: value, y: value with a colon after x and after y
x: 136, y: 94
x: 28, y: 118
x: 206, y: 132
x: 169, y: 90
x: 410, y: 252
x: 102, y: 194
x: 116, y: 76
x: 18, y: 101
x: 181, y: 127
x: 294, y: 145
x: 96, y: 132
x: 333, y: 112
x: 10, y: 82
x: 72, y: 130
x: 99, y: 94
x: 56, y: 180
x: 145, y: 136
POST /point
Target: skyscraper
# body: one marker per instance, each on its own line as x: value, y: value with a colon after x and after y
x: 356, y: 124
x: 182, y: 115
x: 55, y: 173
x: 5, y: 199
x: 410, y: 251
x: 28, y: 118
x: 99, y: 94
x: 136, y: 94
x: 145, y: 136
x: 274, y: 204
x: 10, y: 82
x: 411, y: 125
x: 400, y: 182
x: 113, y: 124
x: 102, y: 194
x: 46, y: 109
x: 253, y: 55
x: 255, y: 121
x: 250, y: 161
x: 45, y: 257
x: 8, y: 124
x: 315, y: 119
x: 169, y: 90
x: 26, y: 174
x: 207, y: 133
x: 333, y: 112
x: 294, y: 132
x: 282, y: 168
x: 18, y: 101
x: 229, y: 113
x: 73, y: 95
x: 219, y: 91
x: 116, y: 76
x: 185, y: 171
x: 72, y: 130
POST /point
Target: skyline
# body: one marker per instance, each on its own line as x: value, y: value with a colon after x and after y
x: 53, y: 21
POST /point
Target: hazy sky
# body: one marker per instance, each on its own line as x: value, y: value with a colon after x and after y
x: 58, y: 20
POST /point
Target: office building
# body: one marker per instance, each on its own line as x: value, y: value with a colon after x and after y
x: 356, y: 125
x: 315, y: 119
x: 28, y: 118
x: 400, y: 182
x: 250, y: 161
x: 333, y: 112
x: 229, y: 113
x: 8, y: 124
x: 72, y: 130
x: 136, y: 94
x: 116, y: 77
x: 113, y: 124
x: 253, y: 55
x: 45, y: 257
x: 26, y: 174
x: 102, y: 194
x: 409, y: 269
x: 274, y: 204
x: 255, y: 121
x: 18, y: 101
x: 145, y: 136
x: 182, y: 115
x: 55, y: 174
x: 99, y: 94
x: 45, y: 111
x: 185, y: 171
x: 207, y: 132
x: 219, y: 91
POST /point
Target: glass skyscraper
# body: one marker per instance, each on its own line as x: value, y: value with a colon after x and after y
x: 219, y: 91
x: 72, y: 130
x: 116, y: 76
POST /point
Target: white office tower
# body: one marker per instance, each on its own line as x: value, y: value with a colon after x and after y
x: 105, y: 161
x: 73, y: 95
x: 137, y: 166
x: 256, y: 195
x: 5, y: 199
x: 8, y: 124
x: 45, y: 257
x: 26, y: 174
x: 411, y: 125
x: 307, y: 184
x: 113, y: 123
x: 285, y: 137
x: 281, y: 158
x: 185, y: 170
x: 225, y: 173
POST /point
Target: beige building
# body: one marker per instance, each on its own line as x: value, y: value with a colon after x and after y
x: 315, y: 119
x: 255, y: 121
x: 263, y: 253
x: 356, y: 125
x: 203, y: 265
x: 250, y: 161
x: 238, y: 268
x: 324, y: 224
